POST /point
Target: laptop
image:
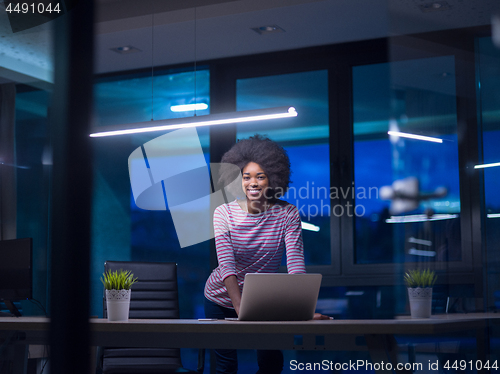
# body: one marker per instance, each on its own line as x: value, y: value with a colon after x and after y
x: 279, y: 297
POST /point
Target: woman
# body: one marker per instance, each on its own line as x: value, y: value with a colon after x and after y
x: 251, y: 234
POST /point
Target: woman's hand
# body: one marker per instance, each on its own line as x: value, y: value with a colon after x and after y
x: 321, y: 316
x: 233, y: 290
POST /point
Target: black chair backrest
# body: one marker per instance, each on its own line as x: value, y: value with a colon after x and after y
x: 155, y: 294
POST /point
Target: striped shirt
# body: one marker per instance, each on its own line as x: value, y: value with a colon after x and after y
x: 253, y: 243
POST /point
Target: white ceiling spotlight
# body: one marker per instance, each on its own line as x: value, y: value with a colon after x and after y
x: 434, y: 6
x: 270, y: 29
x: 126, y: 49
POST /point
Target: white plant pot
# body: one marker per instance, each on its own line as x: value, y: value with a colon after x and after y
x: 420, y: 302
x: 118, y: 304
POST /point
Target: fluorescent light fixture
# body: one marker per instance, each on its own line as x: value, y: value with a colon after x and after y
x: 487, y: 165
x: 206, y: 120
x: 310, y: 227
x: 420, y: 218
x: 419, y: 252
x: 188, y: 107
x: 413, y: 136
x: 355, y: 293
x: 493, y: 215
x: 420, y: 241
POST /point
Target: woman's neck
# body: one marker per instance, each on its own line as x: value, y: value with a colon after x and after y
x: 257, y: 206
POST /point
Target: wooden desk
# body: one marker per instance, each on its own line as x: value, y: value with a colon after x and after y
x: 306, y: 335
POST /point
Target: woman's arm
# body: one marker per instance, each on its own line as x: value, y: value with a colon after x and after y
x: 224, y: 245
x: 293, y: 243
x: 233, y: 290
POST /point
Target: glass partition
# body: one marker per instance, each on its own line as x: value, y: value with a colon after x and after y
x: 488, y: 80
x: 33, y: 167
x: 122, y: 231
x: 432, y: 195
x: 26, y: 84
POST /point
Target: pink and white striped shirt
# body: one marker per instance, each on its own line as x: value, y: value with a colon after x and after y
x: 253, y: 243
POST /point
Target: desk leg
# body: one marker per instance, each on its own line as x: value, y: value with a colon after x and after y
x: 384, y: 349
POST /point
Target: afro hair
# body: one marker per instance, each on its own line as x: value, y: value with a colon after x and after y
x: 270, y: 156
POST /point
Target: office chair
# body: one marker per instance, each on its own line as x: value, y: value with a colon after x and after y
x: 154, y: 296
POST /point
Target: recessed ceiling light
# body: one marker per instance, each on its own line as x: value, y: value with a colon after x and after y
x: 444, y: 75
x: 125, y: 49
x: 269, y: 29
x: 434, y: 6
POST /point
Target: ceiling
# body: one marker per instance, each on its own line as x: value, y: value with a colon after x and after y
x: 168, y: 32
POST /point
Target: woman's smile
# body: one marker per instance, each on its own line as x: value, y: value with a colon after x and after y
x: 254, y: 182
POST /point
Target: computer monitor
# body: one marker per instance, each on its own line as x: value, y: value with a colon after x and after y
x: 15, y: 271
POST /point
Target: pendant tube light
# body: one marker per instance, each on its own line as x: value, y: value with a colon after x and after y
x: 414, y: 136
x: 483, y: 166
x: 196, y: 121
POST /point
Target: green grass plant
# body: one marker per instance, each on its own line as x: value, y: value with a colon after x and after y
x: 118, y: 280
x: 420, y: 278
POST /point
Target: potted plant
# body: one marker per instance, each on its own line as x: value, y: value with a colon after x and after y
x: 117, y: 287
x: 419, y: 283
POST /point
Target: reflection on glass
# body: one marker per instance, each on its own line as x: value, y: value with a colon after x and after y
x: 31, y: 169
x: 305, y: 138
x: 132, y: 98
x: 154, y: 238
x: 405, y: 129
x: 488, y: 78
